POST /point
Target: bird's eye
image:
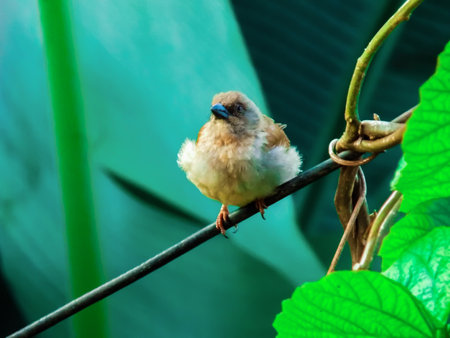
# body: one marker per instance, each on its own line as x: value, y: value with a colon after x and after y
x: 240, y: 108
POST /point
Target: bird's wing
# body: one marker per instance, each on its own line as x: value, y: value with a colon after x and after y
x: 200, y: 133
x: 275, y: 134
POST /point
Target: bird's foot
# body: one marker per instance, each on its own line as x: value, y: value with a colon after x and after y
x: 222, y: 218
x: 260, y: 205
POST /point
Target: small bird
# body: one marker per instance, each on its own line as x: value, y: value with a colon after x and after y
x: 240, y: 156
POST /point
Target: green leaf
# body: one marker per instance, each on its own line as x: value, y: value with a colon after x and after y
x: 414, y: 226
x: 425, y: 146
x: 350, y: 303
x: 425, y: 270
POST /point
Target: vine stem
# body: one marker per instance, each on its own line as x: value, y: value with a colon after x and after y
x: 351, y: 222
x: 387, y: 211
x: 351, y: 107
x: 343, y: 199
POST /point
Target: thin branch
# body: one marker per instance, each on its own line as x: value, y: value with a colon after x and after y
x: 175, y: 251
x: 351, y: 107
x: 387, y: 211
x: 351, y: 222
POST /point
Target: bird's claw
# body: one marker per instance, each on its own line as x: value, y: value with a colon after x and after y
x: 222, y: 217
x: 260, y: 205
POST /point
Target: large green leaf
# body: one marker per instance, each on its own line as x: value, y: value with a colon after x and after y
x: 417, y: 247
x: 349, y: 303
x: 426, y: 145
x: 414, y: 226
x: 424, y: 268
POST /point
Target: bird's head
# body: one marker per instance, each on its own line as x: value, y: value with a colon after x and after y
x: 236, y: 110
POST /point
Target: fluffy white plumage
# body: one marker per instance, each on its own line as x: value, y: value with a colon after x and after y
x: 237, y: 175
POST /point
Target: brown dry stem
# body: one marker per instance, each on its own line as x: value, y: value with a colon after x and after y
x: 355, y: 246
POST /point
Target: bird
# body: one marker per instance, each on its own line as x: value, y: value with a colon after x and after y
x: 240, y: 155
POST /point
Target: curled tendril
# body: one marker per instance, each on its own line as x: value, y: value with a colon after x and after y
x: 347, y: 163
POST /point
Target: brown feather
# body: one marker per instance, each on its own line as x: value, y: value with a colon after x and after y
x: 200, y: 133
x: 275, y: 134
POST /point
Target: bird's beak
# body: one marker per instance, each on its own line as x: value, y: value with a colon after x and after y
x: 220, y: 111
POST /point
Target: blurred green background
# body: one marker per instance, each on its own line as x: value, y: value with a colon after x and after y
x: 147, y: 73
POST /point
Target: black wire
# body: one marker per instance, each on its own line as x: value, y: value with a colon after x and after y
x: 168, y: 255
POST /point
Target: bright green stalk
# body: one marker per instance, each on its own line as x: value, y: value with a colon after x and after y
x: 351, y: 106
x: 73, y: 164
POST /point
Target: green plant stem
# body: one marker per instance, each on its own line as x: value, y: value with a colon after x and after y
x: 351, y: 107
x: 387, y: 211
x: 74, y: 173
